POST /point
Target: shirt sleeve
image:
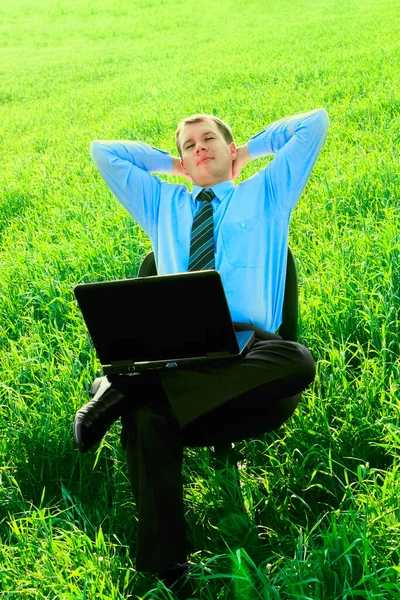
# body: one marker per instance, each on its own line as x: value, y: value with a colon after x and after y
x: 296, y: 142
x: 125, y: 167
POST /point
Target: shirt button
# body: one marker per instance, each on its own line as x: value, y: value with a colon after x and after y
x: 243, y: 225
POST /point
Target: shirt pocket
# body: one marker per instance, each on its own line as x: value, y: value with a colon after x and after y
x: 242, y: 242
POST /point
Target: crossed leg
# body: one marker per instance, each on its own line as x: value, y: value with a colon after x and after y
x: 154, y: 441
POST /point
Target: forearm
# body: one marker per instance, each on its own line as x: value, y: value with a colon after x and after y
x: 305, y: 126
x: 107, y: 154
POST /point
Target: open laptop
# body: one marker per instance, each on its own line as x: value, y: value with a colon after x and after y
x: 160, y: 322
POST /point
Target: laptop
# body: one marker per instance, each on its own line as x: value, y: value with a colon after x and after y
x: 160, y: 322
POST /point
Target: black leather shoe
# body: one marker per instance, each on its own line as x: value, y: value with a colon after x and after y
x: 174, y: 576
x: 94, y: 419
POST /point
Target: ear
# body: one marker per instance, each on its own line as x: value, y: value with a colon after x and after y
x: 183, y: 167
x: 233, y: 151
x: 184, y: 170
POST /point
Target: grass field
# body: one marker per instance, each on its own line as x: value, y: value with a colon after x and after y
x: 322, y: 494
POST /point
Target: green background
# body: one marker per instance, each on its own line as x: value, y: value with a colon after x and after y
x: 321, y: 495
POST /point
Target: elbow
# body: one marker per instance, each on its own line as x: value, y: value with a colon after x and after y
x: 323, y: 119
x: 324, y: 124
x: 94, y: 148
x: 318, y: 124
x: 100, y: 153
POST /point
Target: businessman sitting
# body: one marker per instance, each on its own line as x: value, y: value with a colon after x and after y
x: 242, y: 232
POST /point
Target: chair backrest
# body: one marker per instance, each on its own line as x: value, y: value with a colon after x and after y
x: 290, y: 311
x: 148, y: 267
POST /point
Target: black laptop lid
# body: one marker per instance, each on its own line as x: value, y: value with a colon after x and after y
x: 154, y: 318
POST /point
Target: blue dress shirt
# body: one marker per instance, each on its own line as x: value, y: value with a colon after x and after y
x: 251, y: 220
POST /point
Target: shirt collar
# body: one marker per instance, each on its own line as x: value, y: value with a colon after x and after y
x: 219, y: 189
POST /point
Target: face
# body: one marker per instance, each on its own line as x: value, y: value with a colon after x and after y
x: 206, y: 157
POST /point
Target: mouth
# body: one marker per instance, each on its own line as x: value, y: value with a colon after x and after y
x: 203, y: 160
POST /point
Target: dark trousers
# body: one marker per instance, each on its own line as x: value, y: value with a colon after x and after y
x: 276, y: 372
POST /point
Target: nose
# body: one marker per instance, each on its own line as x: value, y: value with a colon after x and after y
x: 200, y: 145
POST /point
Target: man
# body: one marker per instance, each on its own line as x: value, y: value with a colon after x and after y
x: 243, y: 233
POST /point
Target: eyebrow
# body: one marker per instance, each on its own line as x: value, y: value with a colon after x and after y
x: 191, y: 139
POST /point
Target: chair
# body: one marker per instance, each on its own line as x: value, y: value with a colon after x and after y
x: 223, y: 453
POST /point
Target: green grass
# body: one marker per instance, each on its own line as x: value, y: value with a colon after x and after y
x: 322, y: 494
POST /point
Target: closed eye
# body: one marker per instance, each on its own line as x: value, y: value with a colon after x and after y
x: 207, y: 138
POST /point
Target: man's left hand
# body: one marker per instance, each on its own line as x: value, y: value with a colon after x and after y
x: 242, y: 158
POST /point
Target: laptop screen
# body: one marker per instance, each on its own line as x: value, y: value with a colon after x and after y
x: 157, y: 318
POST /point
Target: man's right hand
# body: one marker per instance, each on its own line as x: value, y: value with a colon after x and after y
x: 177, y: 169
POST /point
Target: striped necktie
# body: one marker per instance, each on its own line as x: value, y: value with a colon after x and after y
x: 202, y: 238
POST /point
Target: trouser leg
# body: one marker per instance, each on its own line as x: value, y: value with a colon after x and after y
x: 154, y: 450
x: 154, y: 444
x: 196, y: 391
x: 260, y: 409
x: 154, y: 455
x: 248, y: 416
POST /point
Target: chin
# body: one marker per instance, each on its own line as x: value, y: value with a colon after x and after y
x: 202, y: 183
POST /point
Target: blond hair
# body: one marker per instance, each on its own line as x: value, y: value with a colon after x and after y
x: 222, y: 126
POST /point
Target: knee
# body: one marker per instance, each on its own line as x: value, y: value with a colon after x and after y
x: 304, y: 364
x: 288, y: 405
x: 149, y: 419
x: 137, y: 417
